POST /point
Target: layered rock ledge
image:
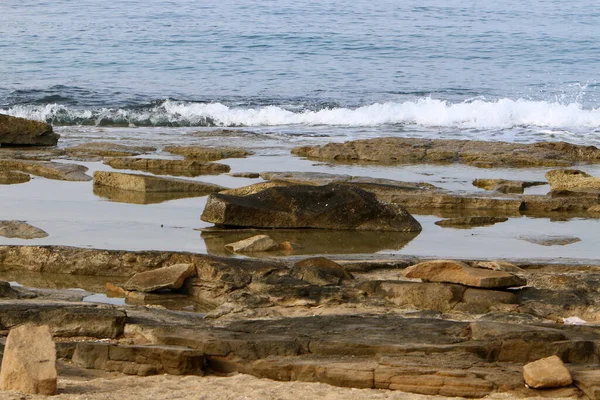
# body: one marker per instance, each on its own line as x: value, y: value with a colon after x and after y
x: 15, y: 131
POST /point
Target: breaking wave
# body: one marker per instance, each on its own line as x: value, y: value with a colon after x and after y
x: 427, y: 112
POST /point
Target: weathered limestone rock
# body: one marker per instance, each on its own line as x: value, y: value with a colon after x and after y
x: 17, y: 131
x: 208, y: 153
x: 171, y: 277
x: 21, y: 230
x: 301, y: 206
x: 594, y: 209
x: 548, y: 372
x: 48, y: 169
x: 29, y: 361
x: 588, y: 382
x: 99, y: 150
x: 461, y: 273
x: 550, y: 240
x: 320, y: 271
x: 250, y: 175
x: 148, y: 183
x: 469, y: 222
x: 140, y: 360
x: 13, y: 177
x: 572, y: 179
x: 478, y: 153
x: 168, y: 167
x: 253, y: 244
x: 504, y: 185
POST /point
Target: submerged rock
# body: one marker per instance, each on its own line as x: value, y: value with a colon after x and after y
x: 20, y: 230
x: 208, y: 153
x: 13, y: 177
x: 550, y: 240
x: 29, y: 361
x: 17, y: 131
x: 459, y: 272
x: 168, y: 167
x: 478, y: 153
x: 302, y: 206
x: 469, y: 222
x: 149, y: 183
x: 548, y: 372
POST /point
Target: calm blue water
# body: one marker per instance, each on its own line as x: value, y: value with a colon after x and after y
x: 524, y: 70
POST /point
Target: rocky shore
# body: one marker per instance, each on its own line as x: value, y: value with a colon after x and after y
x: 293, y: 286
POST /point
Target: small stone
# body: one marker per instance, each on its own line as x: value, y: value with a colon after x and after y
x: 171, y: 277
x: 253, y: 244
x: 29, y: 361
x: 548, y: 372
x: 320, y: 271
x: 20, y: 230
x: 458, y: 272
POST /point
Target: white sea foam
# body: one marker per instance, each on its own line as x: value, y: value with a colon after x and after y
x: 426, y: 112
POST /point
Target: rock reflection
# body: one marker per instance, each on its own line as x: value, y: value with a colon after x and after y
x: 134, y: 197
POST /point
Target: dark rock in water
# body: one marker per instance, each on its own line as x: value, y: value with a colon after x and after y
x: 469, y: 222
x: 551, y: 240
x: 301, y: 206
x: 16, y: 131
x: 320, y: 271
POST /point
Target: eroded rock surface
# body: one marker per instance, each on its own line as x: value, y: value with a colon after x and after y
x: 478, y: 153
x: 572, y: 179
x: 17, y: 131
x: 208, y: 153
x: 153, y: 184
x: 28, y: 363
x: 302, y: 206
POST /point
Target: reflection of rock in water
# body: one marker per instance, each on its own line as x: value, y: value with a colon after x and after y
x: 57, y: 281
x: 134, y: 197
x: 312, y: 241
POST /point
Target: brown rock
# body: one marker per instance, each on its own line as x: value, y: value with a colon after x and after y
x: 168, y: 167
x: 478, y: 153
x: 500, y: 266
x: 548, y: 372
x: 504, y: 185
x: 21, y: 230
x: 48, y: 169
x: 13, y: 177
x: 208, y: 153
x: 29, y: 361
x: 171, y: 277
x: 98, y: 150
x: 148, y: 183
x: 459, y: 272
x: 21, y: 131
x: 320, y: 271
x: 251, y: 175
x: 253, y: 244
x: 572, y: 179
x: 594, y: 209
x: 301, y: 206
x: 588, y: 382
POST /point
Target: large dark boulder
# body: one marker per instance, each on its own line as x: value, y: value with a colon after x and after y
x: 16, y: 131
x: 301, y: 206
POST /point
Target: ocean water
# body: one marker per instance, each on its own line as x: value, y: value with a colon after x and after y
x: 511, y: 70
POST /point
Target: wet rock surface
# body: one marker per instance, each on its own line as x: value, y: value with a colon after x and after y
x: 394, y: 150
x: 152, y: 184
x: 303, y: 206
x: 505, y: 186
x: 94, y: 151
x: 208, y: 153
x: 21, y: 131
x: 48, y: 169
x: 13, y: 177
x: 168, y: 167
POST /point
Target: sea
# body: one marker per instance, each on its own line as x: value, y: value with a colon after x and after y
x: 519, y: 71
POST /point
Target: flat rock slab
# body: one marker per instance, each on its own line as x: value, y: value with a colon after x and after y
x: 392, y: 150
x: 505, y: 185
x: 550, y: 240
x: 549, y: 372
x: 20, y: 230
x: 13, y: 177
x: 95, y: 150
x: 208, y: 153
x: 572, y: 179
x: 459, y: 272
x: 302, y: 206
x: 21, y: 131
x: 48, y: 169
x: 29, y: 361
x: 165, y: 278
x: 470, y: 222
x: 168, y: 167
x: 253, y: 244
x: 154, y: 184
